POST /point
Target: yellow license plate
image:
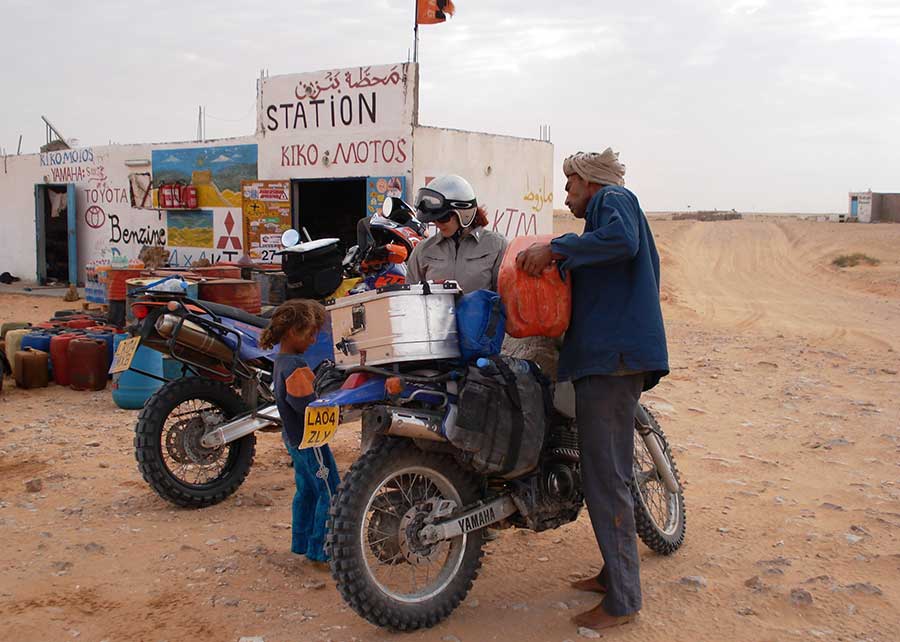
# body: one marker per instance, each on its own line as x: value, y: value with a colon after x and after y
x: 124, y: 355
x: 320, y: 425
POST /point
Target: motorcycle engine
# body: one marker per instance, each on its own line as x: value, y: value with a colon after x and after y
x: 552, y: 496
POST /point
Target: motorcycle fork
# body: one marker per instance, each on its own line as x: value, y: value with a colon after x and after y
x: 645, y: 430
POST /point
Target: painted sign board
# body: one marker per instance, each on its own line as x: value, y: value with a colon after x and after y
x: 267, y: 213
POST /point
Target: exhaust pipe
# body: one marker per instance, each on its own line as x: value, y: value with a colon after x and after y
x: 241, y: 427
x: 399, y: 422
x: 656, y: 452
x: 191, y: 335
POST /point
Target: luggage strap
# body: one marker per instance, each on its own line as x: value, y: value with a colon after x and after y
x: 518, y: 423
x: 494, y: 317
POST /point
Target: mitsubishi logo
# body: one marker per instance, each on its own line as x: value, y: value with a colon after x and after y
x: 224, y: 241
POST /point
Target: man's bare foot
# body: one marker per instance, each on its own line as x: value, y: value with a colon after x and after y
x: 318, y: 565
x: 591, y: 584
x: 597, y: 618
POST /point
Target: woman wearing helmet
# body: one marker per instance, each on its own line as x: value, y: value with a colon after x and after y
x: 464, y: 251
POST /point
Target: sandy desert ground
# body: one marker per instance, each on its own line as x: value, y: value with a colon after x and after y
x: 782, y: 405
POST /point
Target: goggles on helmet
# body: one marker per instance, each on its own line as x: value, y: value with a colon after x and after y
x: 434, y: 206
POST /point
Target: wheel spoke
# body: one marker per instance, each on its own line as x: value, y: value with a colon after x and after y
x: 182, y: 453
x: 386, y: 512
x: 383, y: 539
x: 394, y: 510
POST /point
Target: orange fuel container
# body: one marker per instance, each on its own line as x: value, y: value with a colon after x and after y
x: 535, y: 306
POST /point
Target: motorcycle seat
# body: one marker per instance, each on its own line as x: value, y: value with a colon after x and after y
x: 235, y: 313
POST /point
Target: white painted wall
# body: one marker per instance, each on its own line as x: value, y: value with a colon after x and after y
x: 375, y: 137
x: 864, y: 206
x: 17, y: 236
x: 512, y: 177
x: 107, y: 224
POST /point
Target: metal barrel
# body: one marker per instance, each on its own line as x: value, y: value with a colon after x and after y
x: 234, y: 292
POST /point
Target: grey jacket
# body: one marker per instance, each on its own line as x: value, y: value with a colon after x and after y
x: 475, y: 265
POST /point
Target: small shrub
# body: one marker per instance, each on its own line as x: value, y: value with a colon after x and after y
x: 852, y: 260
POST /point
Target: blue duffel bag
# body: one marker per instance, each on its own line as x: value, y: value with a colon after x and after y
x: 481, y: 324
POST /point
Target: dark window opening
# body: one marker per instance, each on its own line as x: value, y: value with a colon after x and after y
x: 56, y: 235
x: 329, y: 208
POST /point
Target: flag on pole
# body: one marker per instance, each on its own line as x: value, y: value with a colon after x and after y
x: 432, y: 12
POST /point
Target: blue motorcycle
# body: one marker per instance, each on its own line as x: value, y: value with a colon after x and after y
x: 195, y: 437
x: 183, y: 445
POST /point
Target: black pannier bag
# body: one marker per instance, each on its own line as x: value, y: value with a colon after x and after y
x: 313, y: 269
x: 501, y: 424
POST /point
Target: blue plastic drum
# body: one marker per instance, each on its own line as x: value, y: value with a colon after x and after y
x: 131, y: 390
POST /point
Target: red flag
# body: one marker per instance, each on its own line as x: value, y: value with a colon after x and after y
x: 432, y: 12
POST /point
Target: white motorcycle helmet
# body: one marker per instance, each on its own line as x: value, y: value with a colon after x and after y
x: 444, y: 197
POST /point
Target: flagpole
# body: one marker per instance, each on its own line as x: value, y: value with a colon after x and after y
x: 416, y: 31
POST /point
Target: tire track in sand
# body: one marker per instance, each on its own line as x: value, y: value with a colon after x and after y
x: 772, y: 275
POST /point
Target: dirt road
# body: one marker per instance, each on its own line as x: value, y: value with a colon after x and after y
x: 782, y: 404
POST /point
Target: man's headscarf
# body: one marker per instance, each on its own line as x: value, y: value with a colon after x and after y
x: 603, y: 169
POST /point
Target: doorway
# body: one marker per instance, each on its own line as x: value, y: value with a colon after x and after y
x: 329, y: 208
x: 54, y: 224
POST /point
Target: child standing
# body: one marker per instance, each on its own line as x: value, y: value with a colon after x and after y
x: 294, y: 326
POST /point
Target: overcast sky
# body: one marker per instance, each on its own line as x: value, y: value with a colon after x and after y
x: 750, y: 104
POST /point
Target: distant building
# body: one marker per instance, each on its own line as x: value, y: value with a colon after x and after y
x: 874, y: 207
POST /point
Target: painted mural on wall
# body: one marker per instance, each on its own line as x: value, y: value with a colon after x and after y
x: 380, y: 187
x: 193, y: 228
x: 108, y: 229
x: 112, y: 231
x: 220, y: 240
x: 215, y: 171
x: 267, y: 213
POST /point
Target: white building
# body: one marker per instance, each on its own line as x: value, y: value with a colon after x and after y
x: 328, y: 147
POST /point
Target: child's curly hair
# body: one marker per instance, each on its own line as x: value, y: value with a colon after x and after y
x: 302, y: 314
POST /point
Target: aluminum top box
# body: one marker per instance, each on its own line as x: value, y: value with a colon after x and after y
x: 399, y: 323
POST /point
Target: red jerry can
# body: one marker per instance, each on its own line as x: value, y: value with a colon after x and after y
x: 88, y: 364
x: 164, y: 195
x: 169, y: 195
x: 80, y: 323
x: 535, y: 306
x: 189, y: 197
x: 59, y: 357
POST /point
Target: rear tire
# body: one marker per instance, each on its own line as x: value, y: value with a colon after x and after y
x: 658, y: 514
x: 162, y: 441
x: 362, y: 491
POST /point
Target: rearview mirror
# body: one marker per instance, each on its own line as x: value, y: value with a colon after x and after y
x: 290, y: 238
x: 388, y: 206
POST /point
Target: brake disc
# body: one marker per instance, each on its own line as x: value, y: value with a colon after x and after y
x: 183, y: 440
x: 412, y: 548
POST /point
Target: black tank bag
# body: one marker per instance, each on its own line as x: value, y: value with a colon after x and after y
x: 501, y: 425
